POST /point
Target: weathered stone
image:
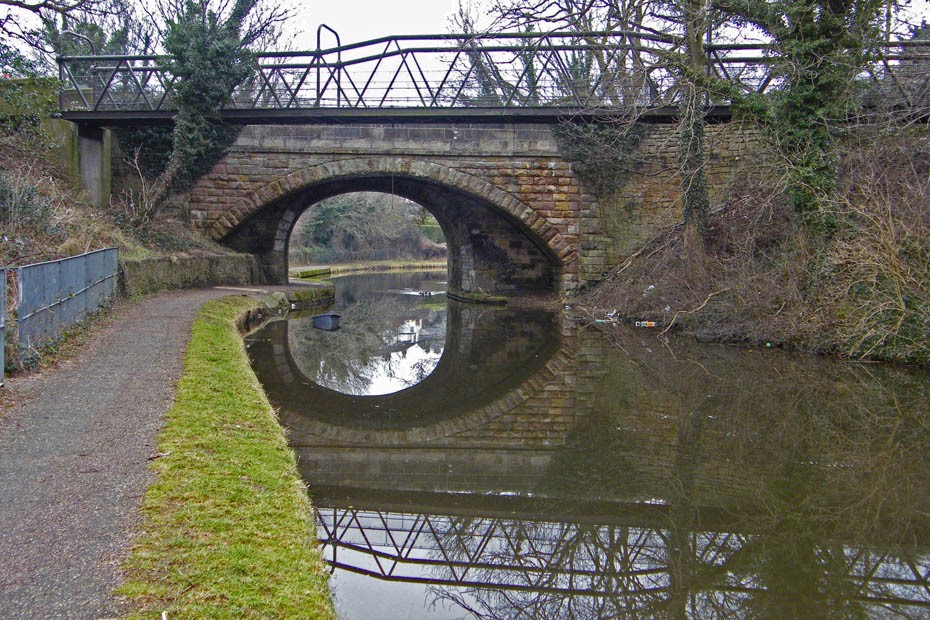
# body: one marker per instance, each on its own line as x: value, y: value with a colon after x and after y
x: 146, y: 276
x: 506, y: 181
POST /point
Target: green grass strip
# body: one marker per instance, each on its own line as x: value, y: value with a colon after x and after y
x: 315, y: 273
x: 228, y: 530
x: 338, y: 269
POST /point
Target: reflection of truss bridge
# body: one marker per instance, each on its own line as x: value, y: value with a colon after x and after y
x: 549, y: 569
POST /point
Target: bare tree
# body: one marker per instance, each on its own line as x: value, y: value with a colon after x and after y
x: 20, y: 19
x: 578, y: 53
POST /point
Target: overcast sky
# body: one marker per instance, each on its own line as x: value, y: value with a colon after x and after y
x: 358, y: 20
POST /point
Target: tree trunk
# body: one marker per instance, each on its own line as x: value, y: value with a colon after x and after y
x: 694, y: 197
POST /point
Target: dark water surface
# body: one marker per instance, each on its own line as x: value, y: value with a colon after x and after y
x: 477, y: 462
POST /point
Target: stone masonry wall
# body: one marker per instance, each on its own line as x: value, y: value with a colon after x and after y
x: 518, y: 169
x: 650, y: 200
x: 151, y: 275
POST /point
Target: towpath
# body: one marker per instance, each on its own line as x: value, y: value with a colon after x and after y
x: 75, y: 444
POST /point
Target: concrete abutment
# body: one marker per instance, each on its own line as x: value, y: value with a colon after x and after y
x: 94, y: 152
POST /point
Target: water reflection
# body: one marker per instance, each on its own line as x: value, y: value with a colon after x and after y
x: 316, y: 378
x: 517, y: 567
x: 620, y: 478
x: 389, y: 340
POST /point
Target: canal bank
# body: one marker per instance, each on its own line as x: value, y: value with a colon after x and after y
x: 227, y: 525
x: 76, y: 446
x: 521, y: 463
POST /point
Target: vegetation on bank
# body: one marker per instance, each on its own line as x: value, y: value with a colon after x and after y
x: 228, y: 530
x: 40, y: 216
x: 861, y: 292
x: 366, y: 226
x: 829, y: 251
x: 45, y: 214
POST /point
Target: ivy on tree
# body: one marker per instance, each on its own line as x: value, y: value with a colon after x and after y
x: 820, y: 47
x: 209, y: 59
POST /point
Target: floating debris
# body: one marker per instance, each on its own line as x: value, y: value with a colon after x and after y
x: 328, y: 321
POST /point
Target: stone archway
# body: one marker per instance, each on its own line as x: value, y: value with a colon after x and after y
x: 498, y: 244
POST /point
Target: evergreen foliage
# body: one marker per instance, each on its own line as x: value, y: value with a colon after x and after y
x: 152, y: 144
x: 24, y: 102
x: 14, y: 64
x: 25, y: 98
x: 820, y: 46
x: 695, y: 199
x: 82, y: 37
x: 602, y: 154
x: 208, y: 61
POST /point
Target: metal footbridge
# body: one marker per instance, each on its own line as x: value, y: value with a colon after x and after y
x: 530, y: 77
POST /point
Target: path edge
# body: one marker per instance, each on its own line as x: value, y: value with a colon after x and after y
x: 227, y: 524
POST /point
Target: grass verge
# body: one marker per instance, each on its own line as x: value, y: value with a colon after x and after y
x: 345, y: 268
x: 228, y: 529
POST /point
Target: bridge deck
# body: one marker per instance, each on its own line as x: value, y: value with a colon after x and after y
x: 310, y: 116
x: 530, y: 77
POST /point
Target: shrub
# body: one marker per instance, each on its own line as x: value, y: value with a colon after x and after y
x: 881, y: 258
x: 21, y: 207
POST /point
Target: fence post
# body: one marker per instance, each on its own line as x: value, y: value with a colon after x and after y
x: 2, y: 322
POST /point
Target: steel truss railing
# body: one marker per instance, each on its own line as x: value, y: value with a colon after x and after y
x: 608, y: 567
x: 590, y: 70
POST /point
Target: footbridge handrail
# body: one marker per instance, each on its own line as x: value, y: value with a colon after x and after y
x: 558, y: 70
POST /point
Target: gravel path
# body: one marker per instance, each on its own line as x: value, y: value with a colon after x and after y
x: 74, y: 452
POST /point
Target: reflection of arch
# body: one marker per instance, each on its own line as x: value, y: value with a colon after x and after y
x: 487, y: 228
x: 455, y: 403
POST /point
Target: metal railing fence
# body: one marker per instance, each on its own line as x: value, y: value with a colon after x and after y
x: 56, y: 295
x: 580, y: 70
x: 2, y: 323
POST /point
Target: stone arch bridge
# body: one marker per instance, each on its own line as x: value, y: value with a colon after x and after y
x: 516, y: 215
x: 408, y: 114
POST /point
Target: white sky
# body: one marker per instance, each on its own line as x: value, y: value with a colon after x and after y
x: 359, y: 20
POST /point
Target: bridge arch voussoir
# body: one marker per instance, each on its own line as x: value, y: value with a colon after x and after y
x: 300, y: 179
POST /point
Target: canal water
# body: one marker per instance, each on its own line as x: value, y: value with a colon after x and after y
x: 477, y: 462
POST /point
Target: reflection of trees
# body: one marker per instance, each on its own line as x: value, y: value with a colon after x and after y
x: 820, y: 477
x: 782, y: 432
x: 485, y: 356
x: 711, y: 483
x: 566, y: 570
x: 510, y: 568
x: 369, y: 332
x: 825, y: 466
